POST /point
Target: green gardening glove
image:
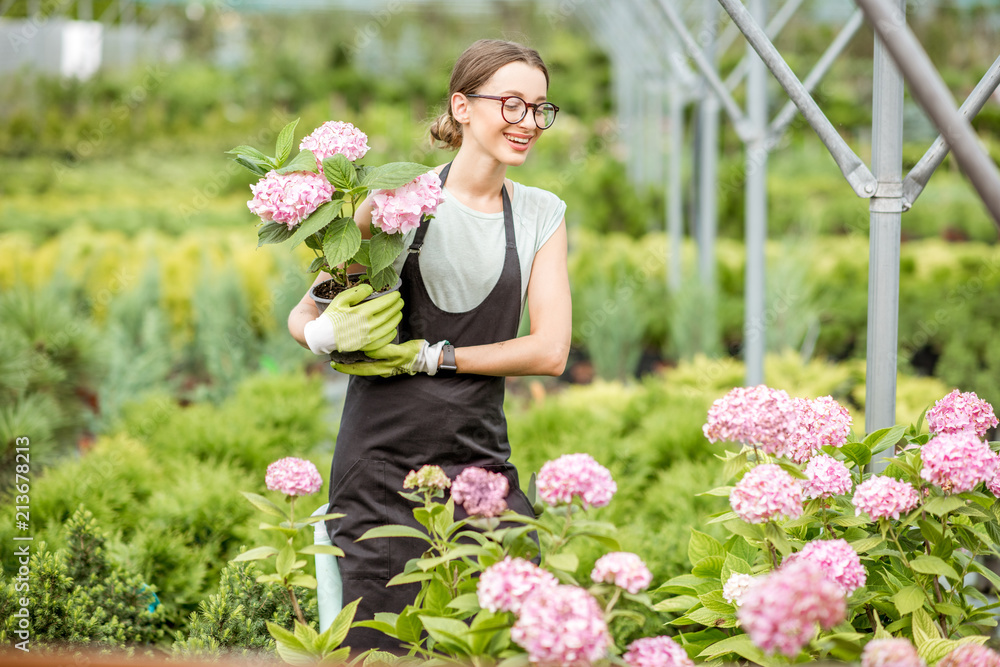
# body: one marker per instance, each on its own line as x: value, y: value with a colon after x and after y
x: 392, y: 360
x: 363, y: 326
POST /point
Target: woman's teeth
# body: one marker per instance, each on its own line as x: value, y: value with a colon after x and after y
x: 517, y: 140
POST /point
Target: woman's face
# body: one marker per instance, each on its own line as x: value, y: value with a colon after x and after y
x: 509, y: 143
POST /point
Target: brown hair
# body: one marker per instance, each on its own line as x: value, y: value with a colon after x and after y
x: 473, y: 69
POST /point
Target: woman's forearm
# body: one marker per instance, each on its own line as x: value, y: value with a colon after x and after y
x: 527, y: 355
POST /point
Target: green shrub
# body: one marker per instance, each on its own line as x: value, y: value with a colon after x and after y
x: 80, y: 596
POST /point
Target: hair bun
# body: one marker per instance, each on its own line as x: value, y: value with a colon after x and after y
x: 446, y: 131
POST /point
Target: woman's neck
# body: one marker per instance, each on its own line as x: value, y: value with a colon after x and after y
x: 476, y: 180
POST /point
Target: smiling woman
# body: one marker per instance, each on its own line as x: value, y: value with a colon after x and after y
x: 492, y: 248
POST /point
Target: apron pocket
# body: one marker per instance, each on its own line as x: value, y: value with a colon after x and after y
x: 361, y: 496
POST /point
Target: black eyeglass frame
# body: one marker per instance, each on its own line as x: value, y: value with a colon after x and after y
x: 527, y: 105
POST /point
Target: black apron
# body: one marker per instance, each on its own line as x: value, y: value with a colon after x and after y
x: 393, y: 425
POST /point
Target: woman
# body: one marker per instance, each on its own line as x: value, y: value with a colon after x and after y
x: 437, y: 398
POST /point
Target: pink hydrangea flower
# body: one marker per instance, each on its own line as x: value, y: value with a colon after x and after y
x: 960, y: 412
x: 288, y: 199
x: 293, y: 477
x: 754, y: 416
x: 736, y: 587
x: 562, y: 626
x: 481, y: 492
x: 657, y: 652
x: 576, y: 475
x: 400, y: 210
x: 765, y: 493
x: 957, y: 462
x: 891, y: 653
x: 624, y: 570
x: 971, y: 655
x: 884, y: 497
x: 993, y: 485
x: 428, y: 477
x: 839, y: 561
x: 822, y: 422
x: 333, y: 137
x: 827, y: 477
x: 780, y: 612
x: 504, y: 586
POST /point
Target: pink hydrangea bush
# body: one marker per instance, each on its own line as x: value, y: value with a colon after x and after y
x: 883, y: 497
x: 957, y: 462
x: 504, y: 586
x: 754, y: 416
x: 657, y: 652
x: 293, y: 477
x: 780, y: 611
x: 827, y: 477
x: 766, y: 492
x: 481, y: 492
x: 575, y: 476
x: 891, y: 653
x: 288, y: 199
x: 736, y: 587
x: 822, y: 422
x: 971, y: 655
x: 838, y: 560
x: 960, y: 411
x: 400, y: 210
x: 562, y: 626
x: 623, y: 569
x: 336, y: 137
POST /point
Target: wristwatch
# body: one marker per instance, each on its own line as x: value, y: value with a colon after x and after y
x: 447, y: 366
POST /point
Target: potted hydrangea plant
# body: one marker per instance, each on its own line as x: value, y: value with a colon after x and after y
x: 312, y: 197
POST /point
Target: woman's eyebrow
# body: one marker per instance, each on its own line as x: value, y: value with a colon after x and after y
x: 540, y: 98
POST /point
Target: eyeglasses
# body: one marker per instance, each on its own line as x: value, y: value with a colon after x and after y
x: 513, y: 109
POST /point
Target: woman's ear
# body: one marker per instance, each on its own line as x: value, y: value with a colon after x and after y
x: 460, y: 108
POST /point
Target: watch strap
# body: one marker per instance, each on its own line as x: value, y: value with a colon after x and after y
x: 447, y: 365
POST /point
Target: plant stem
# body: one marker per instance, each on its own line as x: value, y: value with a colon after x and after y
x: 902, y: 556
x: 295, y: 606
x: 871, y: 617
x: 613, y: 600
x: 773, y: 552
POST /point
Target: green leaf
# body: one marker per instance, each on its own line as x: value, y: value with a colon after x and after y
x: 453, y: 553
x: 467, y: 602
x: 384, y: 250
x: 334, y: 635
x: 283, y: 146
x: 719, y: 492
x: 269, y: 579
x: 394, y: 530
x: 777, y: 536
x: 306, y: 635
x: 264, y: 505
x: 304, y: 161
x: 734, y: 465
x: 857, y: 453
x: 709, y: 568
x: 383, y: 279
x: 304, y: 580
x: 909, y: 599
x: 702, y: 546
x: 711, y: 619
x: 740, y: 645
x: 448, y: 631
x: 749, y: 531
x: 934, y: 650
x: 866, y: 544
x: 933, y: 565
x: 250, y: 152
x: 342, y: 240
x: 290, y: 648
x: 924, y: 628
x: 941, y: 505
x: 410, y: 578
x: 286, y: 557
x: 363, y: 257
x: 733, y: 564
x: 566, y: 562
x: 273, y: 232
x: 314, y: 549
x: 257, y: 553
x: 408, y: 626
x: 678, y: 604
x: 340, y: 172
x: 252, y: 167
x: 885, y: 438
x: 683, y: 584
x: 321, y: 517
x: 316, y: 221
x: 714, y: 601
x: 392, y: 175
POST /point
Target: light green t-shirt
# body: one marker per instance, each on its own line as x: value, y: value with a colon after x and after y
x: 462, y: 256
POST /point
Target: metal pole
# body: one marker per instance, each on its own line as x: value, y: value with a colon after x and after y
x: 933, y: 95
x: 883, y: 255
x: 773, y: 29
x: 675, y: 203
x: 708, y: 161
x: 704, y: 59
x: 916, y: 180
x: 854, y: 170
x: 754, y: 328
x: 819, y: 70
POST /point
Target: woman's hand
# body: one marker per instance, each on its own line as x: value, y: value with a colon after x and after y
x: 348, y: 325
x: 411, y: 357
